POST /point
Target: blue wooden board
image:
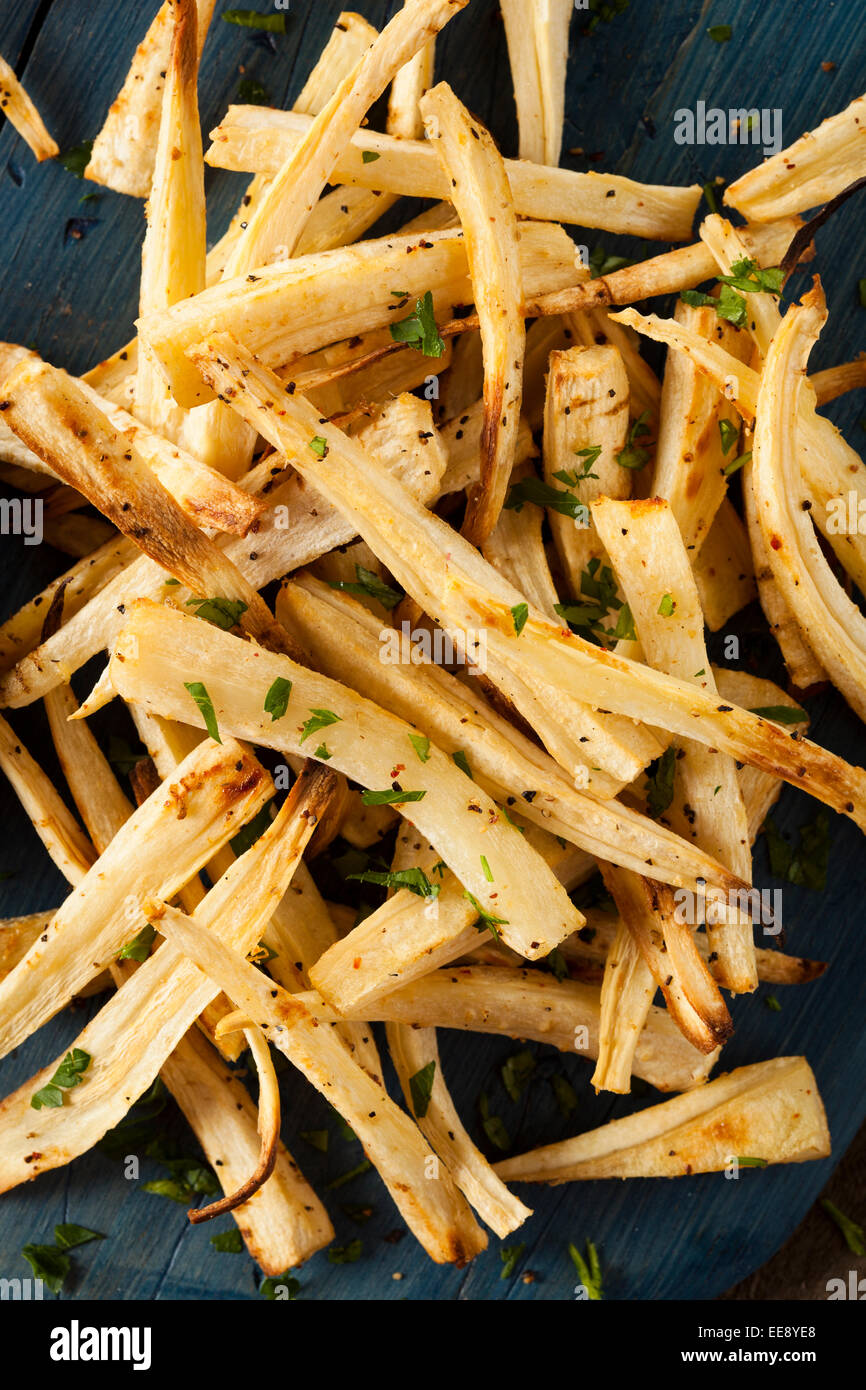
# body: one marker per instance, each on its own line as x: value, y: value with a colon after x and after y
x: 76, y: 301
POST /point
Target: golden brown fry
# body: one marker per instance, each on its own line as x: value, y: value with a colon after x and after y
x: 537, y: 34
x: 481, y: 195
x: 19, y: 109
x: 771, y: 1111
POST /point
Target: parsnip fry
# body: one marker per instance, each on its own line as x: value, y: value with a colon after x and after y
x: 280, y: 217
x: 173, y: 255
x: 833, y: 625
x: 481, y: 195
x: 258, y: 140
x: 412, y: 1050
x: 19, y: 109
x: 648, y: 554
x: 347, y: 645
x: 811, y: 171
x: 159, y: 649
x: 124, y: 151
x: 56, y: 826
x: 305, y: 304
x: 459, y: 578
x: 537, y: 34
x: 165, y: 842
x: 435, y: 1211
x: 627, y: 992
x: 723, y: 569
x: 770, y: 1111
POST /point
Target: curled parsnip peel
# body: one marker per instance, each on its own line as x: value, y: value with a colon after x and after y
x: 435, y: 1211
x: 345, y: 641
x: 427, y: 557
x: 771, y: 1111
x: 20, y: 110
x: 159, y: 649
x: 269, y: 1132
x: 174, y: 250
x: 282, y: 214
x: 259, y: 139
x: 481, y: 195
x: 413, y: 1049
x: 813, y: 170
x: 164, y: 843
x: 833, y: 625
x: 650, y: 559
x: 124, y: 151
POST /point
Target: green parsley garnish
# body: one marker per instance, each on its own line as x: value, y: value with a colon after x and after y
x: 738, y: 463
x: 510, y: 1257
x: 564, y: 1092
x: 773, y: 1004
x: 271, y: 1288
x: 488, y: 919
x: 228, y: 1242
x: 139, y: 947
x: 414, y: 879
x: 393, y: 797
x: 729, y: 435
x: 462, y: 762
x: 319, y: 446
x: 492, y: 1125
x: 346, y: 1254
x: 252, y: 93
x: 253, y: 19
x: 782, y: 714
x: 67, y: 1236
x: 48, y: 1264
x: 659, y: 786
x: 851, y: 1231
x: 590, y: 1274
x: 319, y: 719
x: 199, y: 693
x: 123, y: 758
x: 363, y: 1167
x: 488, y: 874
x: 421, y: 1089
x: 323, y: 753
x: 541, y: 494
x: 419, y: 330
x: 67, y: 1075
x: 371, y: 586
x: 277, y: 698
x: 421, y: 744
x: 370, y: 157
x: 519, y: 615
x: 76, y: 160
x: 316, y: 1138
x: 224, y: 613
x: 746, y: 1162
x: 667, y: 606
x: 634, y: 455
x: 805, y: 864
x: 516, y: 1073
x: 720, y: 33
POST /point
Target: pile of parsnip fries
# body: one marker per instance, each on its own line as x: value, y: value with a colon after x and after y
x: 447, y: 432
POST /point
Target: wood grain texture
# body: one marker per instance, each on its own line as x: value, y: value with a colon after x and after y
x: 76, y: 301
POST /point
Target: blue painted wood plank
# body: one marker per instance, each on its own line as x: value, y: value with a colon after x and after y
x: 77, y: 300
